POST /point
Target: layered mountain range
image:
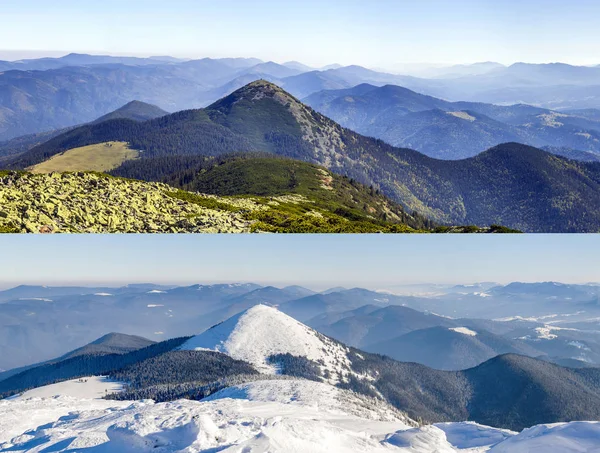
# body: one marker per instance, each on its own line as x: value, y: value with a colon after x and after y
x: 456, y: 130
x: 450, y: 331
x: 49, y: 93
x: 245, y: 366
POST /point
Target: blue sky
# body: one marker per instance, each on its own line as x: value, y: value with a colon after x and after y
x: 376, y: 33
x: 319, y: 261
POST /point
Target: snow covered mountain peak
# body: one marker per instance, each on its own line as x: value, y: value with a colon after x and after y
x: 261, y: 332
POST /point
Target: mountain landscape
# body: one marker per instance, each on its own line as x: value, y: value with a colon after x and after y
x: 288, y: 347
x: 549, y: 321
x: 495, y: 156
x: 299, y: 227
x: 262, y: 117
x: 263, y: 363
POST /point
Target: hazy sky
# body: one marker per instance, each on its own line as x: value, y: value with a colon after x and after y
x: 319, y: 261
x: 375, y: 33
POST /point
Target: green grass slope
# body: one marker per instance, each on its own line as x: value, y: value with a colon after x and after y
x: 100, y: 157
x: 270, y: 176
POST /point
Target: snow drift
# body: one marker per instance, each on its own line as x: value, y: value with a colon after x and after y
x: 265, y: 416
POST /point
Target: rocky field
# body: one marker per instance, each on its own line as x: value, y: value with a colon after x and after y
x: 95, y: 203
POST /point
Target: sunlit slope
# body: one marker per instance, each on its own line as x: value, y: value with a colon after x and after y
x: 91, y: 202
x: 100, y: 157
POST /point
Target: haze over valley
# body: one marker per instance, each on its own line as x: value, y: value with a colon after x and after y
x: 547, y: 320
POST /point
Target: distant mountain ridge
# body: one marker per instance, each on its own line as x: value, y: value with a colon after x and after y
x: 44, y: 94
x: 449, y: 348
x: 440, y: 342
x: 112, y: 343
x: 453, y: 130
x: 134, y: 110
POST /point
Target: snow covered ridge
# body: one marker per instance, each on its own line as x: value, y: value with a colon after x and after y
x: 41, y: 299
x: 268, y: 416
x: 464, y: 331
x: 261, y: 332
x: 19, y: 416
x: 463, y: 116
